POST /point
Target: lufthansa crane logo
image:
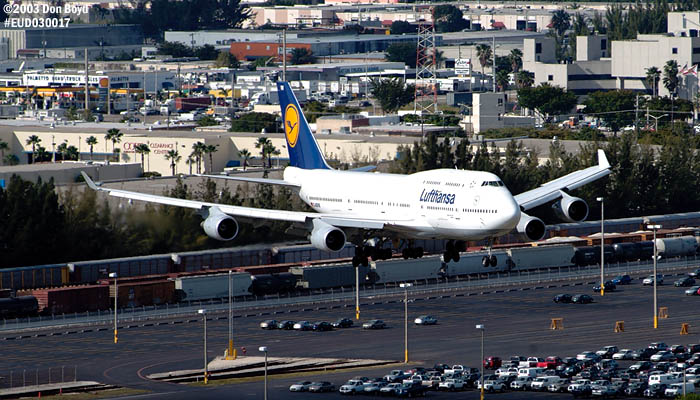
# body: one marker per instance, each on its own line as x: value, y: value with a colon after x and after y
x: 291, y: 124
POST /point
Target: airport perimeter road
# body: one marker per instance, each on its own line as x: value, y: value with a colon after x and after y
x: 517, y: 322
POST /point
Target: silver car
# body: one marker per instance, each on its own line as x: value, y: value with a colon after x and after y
x: 425, y: 320
x: 692, y: 291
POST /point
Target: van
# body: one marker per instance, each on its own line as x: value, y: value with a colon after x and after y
x: 531, y: 372
x: 664, y: 379
x: 543, y: 382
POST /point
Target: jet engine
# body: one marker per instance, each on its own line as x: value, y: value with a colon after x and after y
x: 219, y: 226
x: 327, y: 237
x: 570, y: 209
x: 531, y: 228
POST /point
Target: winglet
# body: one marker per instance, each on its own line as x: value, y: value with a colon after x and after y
x: 89, y: 181
x: 602, y: 160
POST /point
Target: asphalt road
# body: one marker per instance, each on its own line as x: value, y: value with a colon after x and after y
x: 517, y: 322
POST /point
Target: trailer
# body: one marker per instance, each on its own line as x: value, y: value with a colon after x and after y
x: 215, y: 286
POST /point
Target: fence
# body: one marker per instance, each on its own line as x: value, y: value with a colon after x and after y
x: 39, y: 376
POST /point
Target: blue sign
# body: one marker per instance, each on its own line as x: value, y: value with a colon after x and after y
x: 2, y: 183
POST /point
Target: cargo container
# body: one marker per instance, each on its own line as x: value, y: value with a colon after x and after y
x: 148, y: 293
x: 70, y: 299
x: 677, y: 246
x: 184, y: 104
x: 540, y: 257
x: 215, y: 286
x: 327, y: 276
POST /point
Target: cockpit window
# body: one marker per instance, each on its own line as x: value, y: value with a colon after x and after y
x: 492, y: 183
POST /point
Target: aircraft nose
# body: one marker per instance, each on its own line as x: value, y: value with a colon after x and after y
x: 511, y: 212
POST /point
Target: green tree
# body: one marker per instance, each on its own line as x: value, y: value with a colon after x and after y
x: 209, y: 150
x: 300, y: 55
x: 175, y: 49
x: 402, y: 52
x: 671, y: 76
x: 561, y: 21
x: 484, y: 54
x: 502, y: 80
x: 198, y: 152
x: 524, y: 79
x: 546, y: 100
x: 314, y: 109
x: 115, y: 136
x: 270, y: 150
x: 3, y: 147
x: 206, y: 52
x: 653, y: 76
x: 143, y: 149
x: 262, y: 62
x: 10, y: 159
x: 263, y: 144
x: 91, y: 141
x: 449, y: 18
x: 392, y: 93
x: 615, y: 107
x: 207, y: 120
x: 401, y: 27
x: 34, y: 141
x: 245, y: 155
x: 255, y: 122
x: 516, y: 60
x: 174, y: 157
x: 226, y: 60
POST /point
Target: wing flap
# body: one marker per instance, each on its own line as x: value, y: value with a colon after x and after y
x: 278, y: 182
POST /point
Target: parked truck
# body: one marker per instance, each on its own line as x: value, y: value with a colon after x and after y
x: 184, y: 104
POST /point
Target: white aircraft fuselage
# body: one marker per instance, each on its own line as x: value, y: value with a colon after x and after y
x: 441, y: 204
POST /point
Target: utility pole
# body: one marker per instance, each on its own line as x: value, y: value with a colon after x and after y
x: 284, y: 55
x: 636, y: 117
x: 493, y: 67
x: 87, y: 87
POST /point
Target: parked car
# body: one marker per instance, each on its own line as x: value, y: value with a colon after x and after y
x: 302, y: 386
x: 492, y: 362
x: 624, y: 354
x: 636, y: 389
x: 322, y: 326
x: 622, y: 280
x: 319, y: 387
x: 641, y: 366
x: 410, y: 390
x: 374, y: 387
x: 658, y: 346
x: 396, y: 375
x: 451, y: 384
x: 492, y: 386
x: 580, y: 387
x: 342, y: 323
x: 655, y: 391
x: 663, y: 355
x: 390, y: 389
x: 558, y: 387
x: 692, y: 291
x: 303, y: 326
x: 609, y: 287
x: 694, y: 273
x: 285, y: 325
x: 562, y: 298
x: 374, y: 324
x: 607, y: 351
x: 352, y: 386
x: 649, y: 280
x: 425, y: 320
x: 684, y: 282
x: 582, y: 299
x: 269, y: 324
x: 643, y: 354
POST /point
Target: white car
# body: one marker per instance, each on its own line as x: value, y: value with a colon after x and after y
x: 692, y: 291
x: 451, y: 384
x: 676, y: 389
x: 579, y: 386
x: 389, y: 389
x: 649, y: 280
x: 624, y: 354
x: 425, y: 320
x: 300, y: 386
x: 522, y: 383
x: 492, y: 386
x: 585, y: 355
x: 303, y: 326
x: 506, y: 372
x: 352, y: 386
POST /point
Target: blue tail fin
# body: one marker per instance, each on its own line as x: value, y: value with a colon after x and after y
x: 302, y: 147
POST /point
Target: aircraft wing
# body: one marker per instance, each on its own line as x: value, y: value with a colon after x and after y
x: 278, y: 182
x: 340, y: 221
x: 552, y: 189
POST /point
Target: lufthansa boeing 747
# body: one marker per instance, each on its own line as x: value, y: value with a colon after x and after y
x: 354, y: 206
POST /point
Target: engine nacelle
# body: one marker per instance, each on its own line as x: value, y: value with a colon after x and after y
x: 570, y: 209
x: 219, y: 226
x: 531, y: 228
x: 327, y: 237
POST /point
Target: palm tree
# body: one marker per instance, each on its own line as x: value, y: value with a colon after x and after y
x: 198, y: 153
x: 245, y: 155
x: 653, y: 76
x: 561, y: 21
x: 502, y: 79
x: 10, y: 159
x: 142, y: 148
x: 516, y: 60
x: 114, y: 136
x: 671, y: 76
x: 91, y: 141
x: 190, y: 161
x: 270, y: 149
x: 524, y: 79
x: 3, y: 146
x: 63, y: 150
x: 484, y: 54
x: 174, y: 158
x: 34, y: 140
x: 301, y: 55
x: 439, y: 58
x: 210, y: 150
x: 263, y: 144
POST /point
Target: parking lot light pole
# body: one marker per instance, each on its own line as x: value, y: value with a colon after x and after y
x: 602, y: 245
x: 405, y: 287
x: 357, y: 293
x: 231, y: 354
x: 482, y: 329
x: 264, y: 350
x: 114, y: 275
x: 656, y: 310
x: 203, y: 313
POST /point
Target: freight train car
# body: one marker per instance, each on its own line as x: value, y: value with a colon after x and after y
x: 22, y: 306
x: 70, y: 299
x: 213, y: 286
x: 273, y: 283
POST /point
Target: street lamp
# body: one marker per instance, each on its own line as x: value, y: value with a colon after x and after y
x: 405, y: 287
x: 656, y: 310
x: 656, y: 121
x: 357, y: 292
x: 231, y: 355
x: 114, y: 275
x: 203, y: 313
x: 602, y: 244
x: 264, y: 350
x: 482, y: 329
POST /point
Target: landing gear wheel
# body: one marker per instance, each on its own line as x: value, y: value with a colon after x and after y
x: 455, y: 256
x: 365, y: 262
x: 485, y: 261
x: 387, y: 254
x: 493, y: 261
x: 407, y: 253
x: 356, y: 261
x: 447, y: 256
x: 418, y: 253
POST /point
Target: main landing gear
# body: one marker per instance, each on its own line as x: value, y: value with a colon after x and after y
x: 452, y: 250
x: 363, y: 253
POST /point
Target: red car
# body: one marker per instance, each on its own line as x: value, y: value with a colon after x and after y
x: 492, y: 363
x: 550, y: 362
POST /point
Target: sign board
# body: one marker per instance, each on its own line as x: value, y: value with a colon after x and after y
x: 463, y: 66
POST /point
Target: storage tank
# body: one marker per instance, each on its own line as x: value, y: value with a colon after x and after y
x: 215, y: 286
x: 677, y: 246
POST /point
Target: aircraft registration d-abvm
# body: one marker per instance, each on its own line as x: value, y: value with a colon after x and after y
x: 357, y: 205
